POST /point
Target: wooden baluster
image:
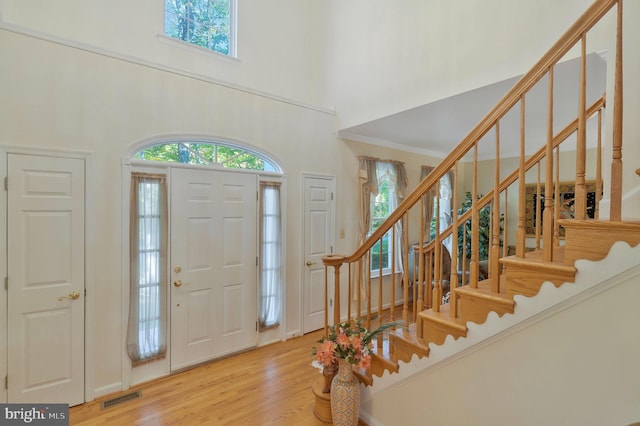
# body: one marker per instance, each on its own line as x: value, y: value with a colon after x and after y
x: 453, y: 278
x: 405, y: 277
x: 336, y: 261
x: 417, y: 279
x: 505, y: 228
x: 556, y: 209
x: 547, y: 215
x: 475, y: 216
x: 392, y: 290
x: 368, y: 321
x: 380, y: 276
x: 419, y: 304
x: 358, y: 290
x: 464, y: 254
x: 494, y: 254
x: 429, y: 260
x: 521, y: 233
x: 326, y: 300
x: 435, y: 280
x: 349, y: 292
x: 616, y: 165
x: 596, y: 214
x: 580, y: 202
x: 538, y: 210
x: 336, y: 293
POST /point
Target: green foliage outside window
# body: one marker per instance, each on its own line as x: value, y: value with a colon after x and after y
x: 380, y: 212
x: 204, y: 153
x: 205, y: 23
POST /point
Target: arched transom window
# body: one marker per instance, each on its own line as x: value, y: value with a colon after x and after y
x: 208, y: 153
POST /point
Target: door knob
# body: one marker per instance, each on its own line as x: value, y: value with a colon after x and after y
x: 177, y: 283
x: 309, y: 263
x: 72, y: 296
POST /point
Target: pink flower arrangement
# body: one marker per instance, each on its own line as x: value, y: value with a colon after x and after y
x: 349, y: 341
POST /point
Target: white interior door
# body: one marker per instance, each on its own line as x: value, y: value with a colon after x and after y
x: 213, y: 264
x: 318, y: 240
x: 46, y: 282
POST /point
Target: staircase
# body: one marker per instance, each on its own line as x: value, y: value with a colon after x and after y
x: 520, y: 276
x: 548, y: 254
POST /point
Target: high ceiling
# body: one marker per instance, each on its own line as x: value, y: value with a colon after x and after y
x: 436, y: 128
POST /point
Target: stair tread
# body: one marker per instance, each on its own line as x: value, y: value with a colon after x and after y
x: 484, y: 291
x: 381, y: 353
x: 533, y: 259
x: 444, y: 317
x: 410, y: 335
x: 633, y: 225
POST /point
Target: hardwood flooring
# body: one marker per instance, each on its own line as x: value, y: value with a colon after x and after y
x: 266, y: 386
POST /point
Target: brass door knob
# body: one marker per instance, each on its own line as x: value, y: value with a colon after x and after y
x: 72, y: 296
x: 309, y: 263
x: 177, y: 283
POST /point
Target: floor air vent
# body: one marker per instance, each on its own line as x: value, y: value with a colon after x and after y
x: 120, y: 399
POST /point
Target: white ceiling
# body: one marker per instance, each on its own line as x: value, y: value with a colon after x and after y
x: 436, y: 128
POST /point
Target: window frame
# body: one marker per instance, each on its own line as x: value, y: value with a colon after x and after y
x: 275, y: 291
x: 274, y: 166
x: 390, y: 192
x: 232, y: 33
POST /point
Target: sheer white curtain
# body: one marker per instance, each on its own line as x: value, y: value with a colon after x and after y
x: 446, y: 196
x: 401, y: 189
x: 368, y: 187
x: 270, y: 255
x: 427, y: 203
x: 372, y: 172
x: 445, y: 204
x: 147, y: 326
x: 397, y: 176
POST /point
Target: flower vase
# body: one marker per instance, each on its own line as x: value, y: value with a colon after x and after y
x: 345, y: 396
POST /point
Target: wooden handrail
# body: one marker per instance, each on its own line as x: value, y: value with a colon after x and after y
x: 427, y: 283
x: 566, y: 42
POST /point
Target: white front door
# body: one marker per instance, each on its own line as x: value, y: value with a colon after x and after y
x: 213, y: 264
x: 46, y: 282
x: 318, y: 240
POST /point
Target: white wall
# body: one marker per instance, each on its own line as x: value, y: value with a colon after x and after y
x: 273, y: 39
x: 68, y: 99
x: 385, y: 57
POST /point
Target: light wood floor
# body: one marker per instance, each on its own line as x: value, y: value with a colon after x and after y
x: 266, y: 386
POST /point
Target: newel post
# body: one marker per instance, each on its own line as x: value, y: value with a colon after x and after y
x: 336, y: 261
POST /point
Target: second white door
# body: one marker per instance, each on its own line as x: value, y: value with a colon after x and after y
x: 318, y: 241
x: 45, y: 279
x: 213, y: 265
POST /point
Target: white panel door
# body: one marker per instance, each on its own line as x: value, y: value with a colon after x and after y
x: 213, y: 265
x: 318, y: 240
x: 45, y: 237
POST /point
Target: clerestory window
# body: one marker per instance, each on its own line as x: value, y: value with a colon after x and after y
x: 206, y: 23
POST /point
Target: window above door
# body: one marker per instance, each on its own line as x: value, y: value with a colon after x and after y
x: 206, y: 23
x: 202, y: 152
